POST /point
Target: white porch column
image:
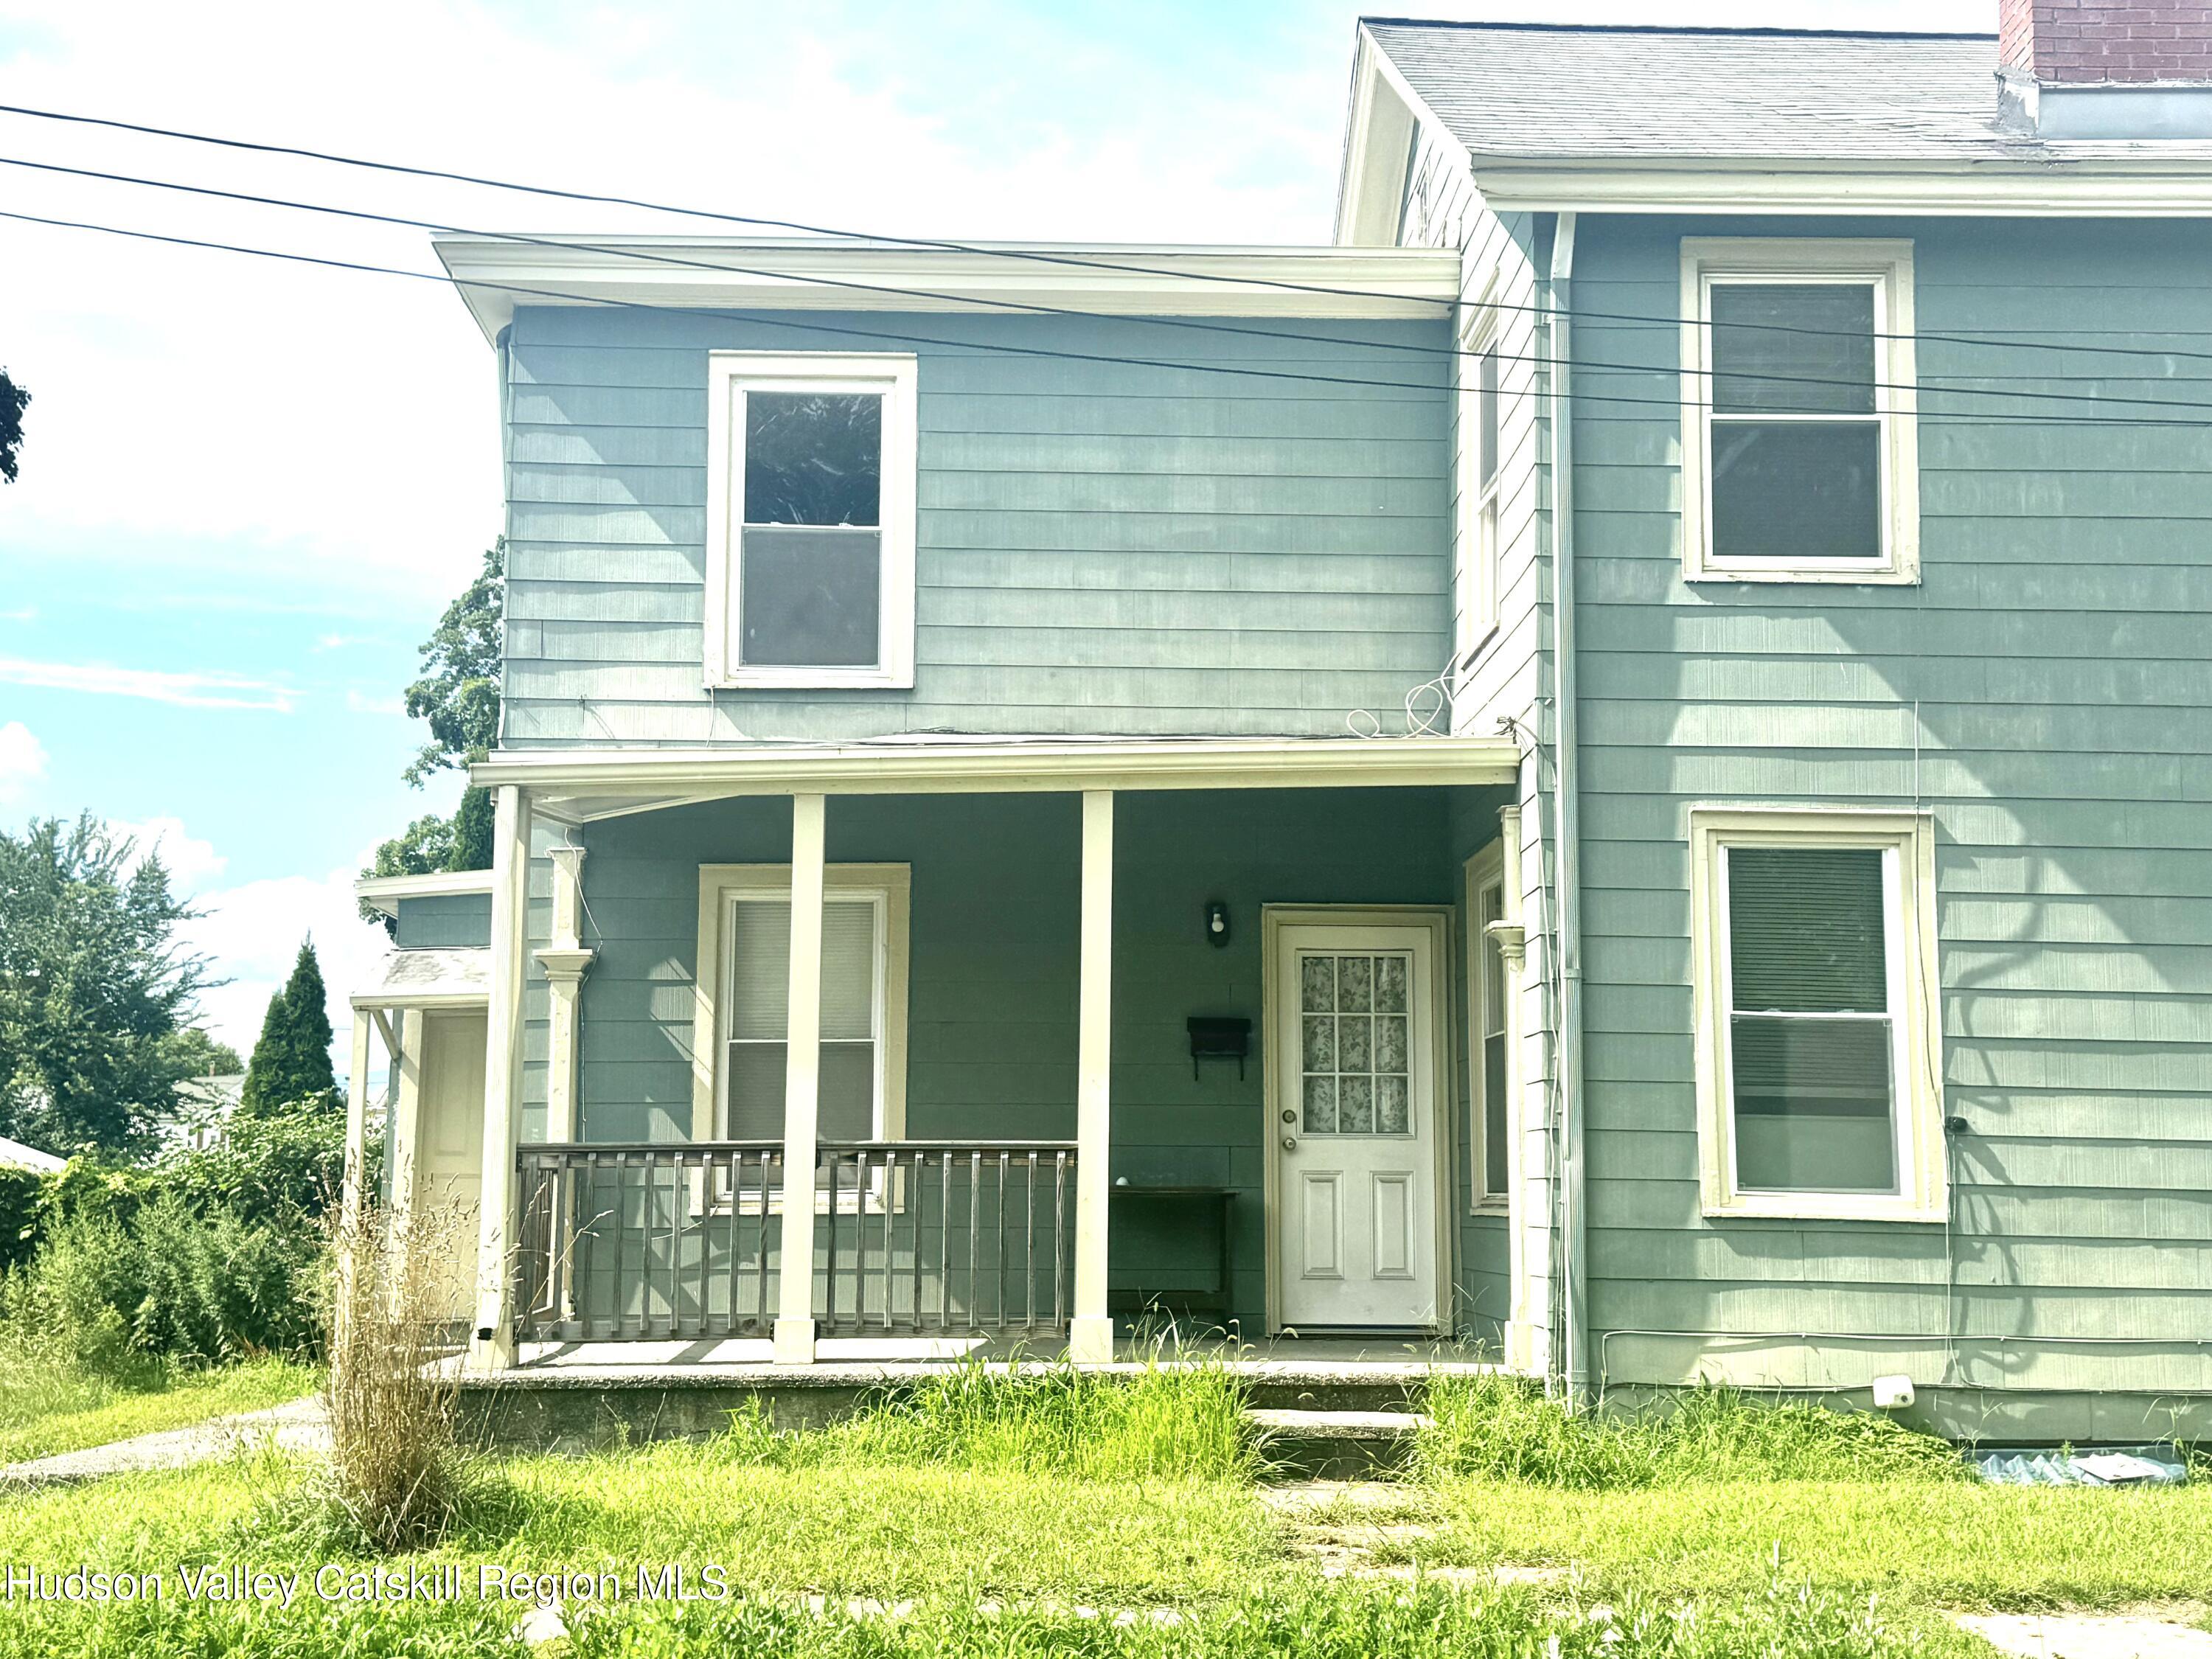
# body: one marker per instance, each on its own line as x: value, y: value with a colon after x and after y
x: 564, y: 961
x: 1090, y: 1335
x: 493, y: 1347
x: 794, y: 1312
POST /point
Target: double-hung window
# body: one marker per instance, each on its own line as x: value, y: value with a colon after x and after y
x: 1475, y: 591
x: 1487, y: 1032
x: 810, y: 519
x: 744, y: 966
x: 1799, y: 455
x: 1818, y: 1035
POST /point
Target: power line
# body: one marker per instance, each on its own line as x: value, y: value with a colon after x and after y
x: 1036, y: 255
x: 784, y: 319
x: 1038, y: 308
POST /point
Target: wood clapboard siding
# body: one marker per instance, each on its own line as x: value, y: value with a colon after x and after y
x: 443, y: 919
x: 992, y: 973
x: 1147, y: 547
x: 1509, y: 673
x: 2043, y: 691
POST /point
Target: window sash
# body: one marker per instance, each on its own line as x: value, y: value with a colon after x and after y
x: 1882, y: 267
x: 1480, y: 414
x: 1896, y: 1078
x: 1494, y: 1121
x: 738, y: 1031
x: 821, y: 638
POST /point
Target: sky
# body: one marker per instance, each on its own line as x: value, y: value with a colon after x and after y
x: 249, y: 487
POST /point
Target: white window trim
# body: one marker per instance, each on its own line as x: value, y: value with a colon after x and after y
x: 1487, y: 869
x: 720, y: 886
x: 729, y: 375
x: 1915, y: 1008
x: 1476, y: 582
x: 1888, y: 263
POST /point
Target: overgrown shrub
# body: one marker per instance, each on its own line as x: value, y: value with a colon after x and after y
x: 1503, y: 1428
x: 284, y: 1167
x: 167, y: 1284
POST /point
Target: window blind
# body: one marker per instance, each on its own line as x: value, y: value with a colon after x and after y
x: 760, y: 1006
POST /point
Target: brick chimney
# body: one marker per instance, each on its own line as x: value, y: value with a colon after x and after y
x: 2105, y: 68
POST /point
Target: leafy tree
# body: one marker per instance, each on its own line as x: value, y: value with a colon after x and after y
x: 198, y: 1054
x: 291, y: 1061
x: 93, y: 989
x: 459, y: 694
x: 459, y: 691
x: 13, y: 402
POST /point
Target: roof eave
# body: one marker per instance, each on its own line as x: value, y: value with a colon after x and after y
x: 2120, y: 186
x: 495, y: 274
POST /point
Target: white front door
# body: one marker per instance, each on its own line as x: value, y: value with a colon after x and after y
x: 1353, y: 1121
x: 449, y: 1156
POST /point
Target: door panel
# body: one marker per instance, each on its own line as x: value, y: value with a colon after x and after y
x: 1354, y: 1111
x: 449, y: 1161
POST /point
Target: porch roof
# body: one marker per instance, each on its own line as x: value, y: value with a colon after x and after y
x: 443, y: 977
x: 581, y: 785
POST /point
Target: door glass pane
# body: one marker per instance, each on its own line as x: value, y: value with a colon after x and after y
x: 1356, y: 1061
x: 1806, y: 348
x: 1796, y: 489
x: 814, y: 458
x: 810, y: 597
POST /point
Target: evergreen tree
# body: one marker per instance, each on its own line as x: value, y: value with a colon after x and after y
x: 291, y: 1061
x: 95, y: 987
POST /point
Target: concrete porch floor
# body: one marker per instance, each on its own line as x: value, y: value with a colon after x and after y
x: 842, y: 1360
x: 573, y: 1396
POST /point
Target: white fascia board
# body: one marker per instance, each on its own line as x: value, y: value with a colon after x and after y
x: 2069, y: 189
x: 385, y: 892
x: 813, y: 273
x: 621, y: 779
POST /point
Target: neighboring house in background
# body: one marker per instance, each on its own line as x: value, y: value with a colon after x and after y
x: 15, y: 1154
x: 205, y: 1106
x: 1771, y: 944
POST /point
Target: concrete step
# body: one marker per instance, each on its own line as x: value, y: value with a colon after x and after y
x: 1334, y: 1445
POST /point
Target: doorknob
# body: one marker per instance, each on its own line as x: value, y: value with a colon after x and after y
x: 1290, y: 1116
x: 1289, y: 1143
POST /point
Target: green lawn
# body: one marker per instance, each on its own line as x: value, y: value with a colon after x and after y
x: 1000, y: 1526
x: 46, y: 1409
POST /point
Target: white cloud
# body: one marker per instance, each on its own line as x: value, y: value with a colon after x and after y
x: 22, y: 761
x: 360, y: 702
x: 185, y: 691
x: 252, y: 935
x: 189, y: 861
x: 27, y: 613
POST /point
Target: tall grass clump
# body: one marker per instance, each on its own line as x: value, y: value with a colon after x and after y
x: 1160, y: 1422
x: 1503, y: 1428
x: 398, y: 1477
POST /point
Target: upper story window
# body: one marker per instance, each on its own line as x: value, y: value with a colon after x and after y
x: 1799, y: 449
x: 1818, y: 1035
x: 810, y: 519
x: 1474, y: 599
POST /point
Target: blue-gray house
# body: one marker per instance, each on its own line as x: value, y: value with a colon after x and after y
x: 1609, y: 768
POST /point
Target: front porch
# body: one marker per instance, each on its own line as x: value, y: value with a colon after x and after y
x: 947, y: 1001
x: 1341, y: 1405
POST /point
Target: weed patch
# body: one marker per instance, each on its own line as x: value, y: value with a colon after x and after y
x: 1502, y: 1428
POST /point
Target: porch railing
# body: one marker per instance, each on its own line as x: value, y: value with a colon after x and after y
x: 685, y: 1239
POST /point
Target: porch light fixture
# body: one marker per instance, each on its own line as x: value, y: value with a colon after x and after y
x: 1216, y: 923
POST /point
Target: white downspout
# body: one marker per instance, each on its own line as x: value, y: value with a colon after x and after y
x: 1566, y: 818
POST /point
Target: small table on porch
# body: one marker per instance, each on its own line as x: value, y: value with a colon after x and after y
x: 1222, y: 1201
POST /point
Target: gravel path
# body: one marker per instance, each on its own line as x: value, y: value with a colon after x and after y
x: 298, y: 1426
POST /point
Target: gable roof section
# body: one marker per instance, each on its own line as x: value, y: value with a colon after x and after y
x: 1712, y: 119
x: 1539, y: 90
